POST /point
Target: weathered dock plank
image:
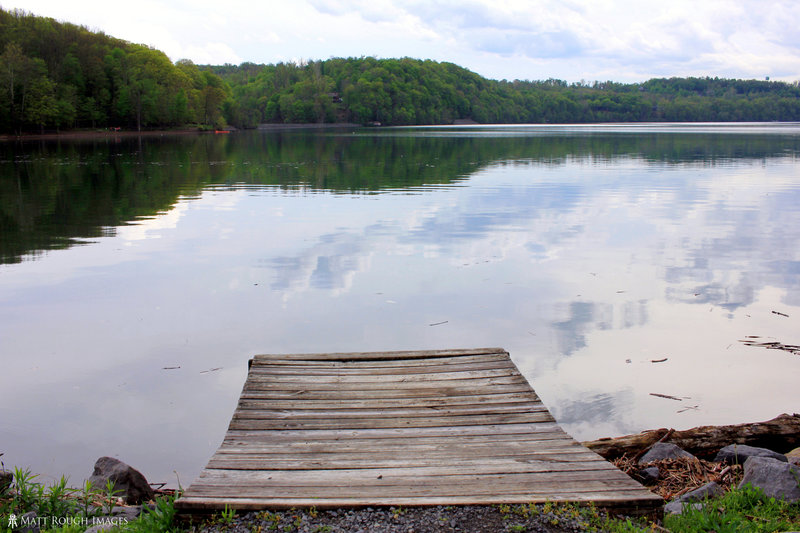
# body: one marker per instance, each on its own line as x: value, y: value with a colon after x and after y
x: 440, y: 427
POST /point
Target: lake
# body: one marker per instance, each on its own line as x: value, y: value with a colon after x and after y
x: 614, y: 262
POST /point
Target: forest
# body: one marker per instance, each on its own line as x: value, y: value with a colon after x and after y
x: 57, y: 76
x: 409, y: 91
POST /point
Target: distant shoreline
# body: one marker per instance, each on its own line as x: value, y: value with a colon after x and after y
x: 98, y: 134
x: 105, y: 133
x: 314, y: 126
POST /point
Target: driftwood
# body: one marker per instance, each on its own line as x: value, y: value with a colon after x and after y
x: 780, y: 434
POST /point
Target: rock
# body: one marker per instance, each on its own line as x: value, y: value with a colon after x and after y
x: 776, y: 478
x: 739, y: 453
x: 677, y: 506
x: 128, y: 513
x: 5, y: 481
x: 648, y: 475
x: 130, y: 483
x: 793, y: 457
x: 663, y: 450
x: 28, y: 523
x: 707, y: 491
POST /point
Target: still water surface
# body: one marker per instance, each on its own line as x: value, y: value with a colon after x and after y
x: 138, y: 275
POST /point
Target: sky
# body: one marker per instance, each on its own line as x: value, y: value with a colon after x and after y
x: 573, y: 40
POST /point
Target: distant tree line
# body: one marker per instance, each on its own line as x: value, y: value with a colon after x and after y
x: 57, y: 75
x: 410, y: 91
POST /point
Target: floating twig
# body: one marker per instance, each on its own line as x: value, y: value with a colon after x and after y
x: 667, y: 396
x: 439, y: 323
x: 780, y: 314
x: 170, y: 367
x: 658, y: 360
x: 773, y: 345
x: 210, y: 370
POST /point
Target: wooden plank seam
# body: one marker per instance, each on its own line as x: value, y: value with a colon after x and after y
x: 435, y: 427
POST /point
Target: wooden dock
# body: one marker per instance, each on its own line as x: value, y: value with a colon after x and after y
x: 447, y: 427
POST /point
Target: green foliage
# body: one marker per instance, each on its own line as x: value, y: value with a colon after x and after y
x: 566, y: 516
x: 407, y: 91
x: 58, y: 75
x: 160, y: 519
x: 741, y: 510
x: 66, y: 510
x: 226, y: 516
x: 68, y: 191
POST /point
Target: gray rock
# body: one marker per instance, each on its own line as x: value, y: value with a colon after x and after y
x: 677, y: 507
x: 28, y: 523
x: 777, y: 479
x: 129, y: 513
x: 663, y: 450
x: 649, y: 475
x: 707, y: 491
x: 739, y: 453
x: 130, y: 483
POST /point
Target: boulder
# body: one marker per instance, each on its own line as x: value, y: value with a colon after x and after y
x: 663, y: 450
x: 739, y: 453
x: 129, y: 483
x: 776, y: 478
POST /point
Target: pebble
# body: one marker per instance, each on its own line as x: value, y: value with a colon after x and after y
x: 438, y: 519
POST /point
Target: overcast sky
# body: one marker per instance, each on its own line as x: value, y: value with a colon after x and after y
x: 619, y: 40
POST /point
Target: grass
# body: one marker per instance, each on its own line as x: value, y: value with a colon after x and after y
x: 71, y: 510
x: 533, y: 517
x: 62, y: 509
x: 741, y: 510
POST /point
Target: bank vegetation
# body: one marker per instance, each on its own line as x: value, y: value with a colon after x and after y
x: 57, y: 76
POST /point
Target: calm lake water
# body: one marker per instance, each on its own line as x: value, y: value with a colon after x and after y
x: 138, y: 275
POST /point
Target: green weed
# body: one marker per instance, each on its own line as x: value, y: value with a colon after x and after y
x: 159, y: 519
x: 741, y: 510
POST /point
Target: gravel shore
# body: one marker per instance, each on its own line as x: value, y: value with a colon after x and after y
x: 440, y: 519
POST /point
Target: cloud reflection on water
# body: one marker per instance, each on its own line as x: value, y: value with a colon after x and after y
x: 585, y: 267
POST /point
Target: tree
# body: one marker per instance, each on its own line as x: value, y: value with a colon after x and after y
x: 42, y: 106
x: 17, y: 72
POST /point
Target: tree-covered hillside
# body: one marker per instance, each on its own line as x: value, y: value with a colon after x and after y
x: 411, y: 91
x: 57, y: 75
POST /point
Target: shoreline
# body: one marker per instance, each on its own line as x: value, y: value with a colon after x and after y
x: 679, y: 475
x: 99, y: 134
x: 105, y: 133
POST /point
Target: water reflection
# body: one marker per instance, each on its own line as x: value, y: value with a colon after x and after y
x: 54, y: 194
x: 588, y: 255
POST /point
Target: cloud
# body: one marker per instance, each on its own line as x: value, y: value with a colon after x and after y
x: 623, y: 40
